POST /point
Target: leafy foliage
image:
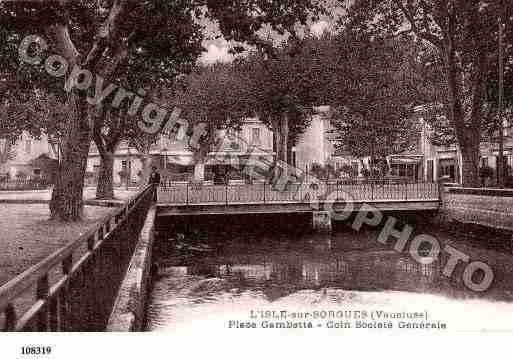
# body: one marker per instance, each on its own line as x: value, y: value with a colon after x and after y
x: 464, y: 37
x: 372, y: 113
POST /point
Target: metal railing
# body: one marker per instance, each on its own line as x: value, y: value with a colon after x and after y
x: 74, y: 289
x: 189, y: 194
x: 23, y: 184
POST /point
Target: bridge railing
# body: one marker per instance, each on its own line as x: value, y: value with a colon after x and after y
x: 189, y: 194
x: 74, y: 289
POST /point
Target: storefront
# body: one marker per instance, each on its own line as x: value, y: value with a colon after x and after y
x: 407, y: 166
x: 448, y: 169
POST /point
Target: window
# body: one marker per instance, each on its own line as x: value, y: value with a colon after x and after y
x: 232, y: 140
x: 255, y: 136
x: 402, y: 170
x: 410, y: 171
x: 484, y: 162
x: 28, y: 146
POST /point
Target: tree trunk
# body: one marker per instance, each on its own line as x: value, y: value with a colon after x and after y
x: 281, y: 133
x: 372, y: 160
x: 277, y: 138
x: 67, y: 195
x: 284, y: 129
x: 470, y: 167
x: 468, y: 133
x: 105, y: 187
x: 146, y: 169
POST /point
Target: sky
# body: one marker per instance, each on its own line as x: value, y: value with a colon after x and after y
x: 217, y: 49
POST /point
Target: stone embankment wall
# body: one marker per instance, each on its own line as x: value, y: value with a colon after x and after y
x: 487, y: 207
x: 129, y: 309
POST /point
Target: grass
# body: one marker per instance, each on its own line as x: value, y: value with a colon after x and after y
x: 28, y: 236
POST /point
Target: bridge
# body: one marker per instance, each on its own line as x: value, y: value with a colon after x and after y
x: 483, y: 206
x: 99, y: 281
x: 186, y: 199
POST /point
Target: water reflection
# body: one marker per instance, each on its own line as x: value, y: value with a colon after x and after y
x: 357, y: 270
x: 253, y: 272
x: 212, y: 269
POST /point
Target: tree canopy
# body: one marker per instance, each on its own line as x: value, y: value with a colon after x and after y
x: 464, y: 36
x: 100, y: 36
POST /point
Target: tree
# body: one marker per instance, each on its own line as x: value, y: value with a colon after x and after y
x: 464, y: 35
x: 216, y: 96
x: 372, y: 114
x: 29, y: 111
x: 98, y: 36
x: 284, y: 86
x: 107, y: 132
x: 147, y: 67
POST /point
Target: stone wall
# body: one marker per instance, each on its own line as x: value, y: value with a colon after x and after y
x: 129, y: 309
x: 487, y: 207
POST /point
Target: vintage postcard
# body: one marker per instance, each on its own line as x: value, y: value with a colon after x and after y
x: 191, y: 171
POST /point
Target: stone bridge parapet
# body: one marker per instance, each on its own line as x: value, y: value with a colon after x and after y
x: 487, y: 207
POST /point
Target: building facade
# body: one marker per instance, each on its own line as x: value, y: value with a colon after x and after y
x: 24, y: 158
x: 176, y: 162
x: 432, y: 162
x: 316, y: 147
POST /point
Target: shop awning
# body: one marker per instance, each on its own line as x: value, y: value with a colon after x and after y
x: 406, y: 159
x: 180, y: 160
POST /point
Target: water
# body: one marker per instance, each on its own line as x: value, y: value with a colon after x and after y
x: 212, y: 274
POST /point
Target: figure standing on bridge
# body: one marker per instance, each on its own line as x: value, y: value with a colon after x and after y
x: 154, y: 180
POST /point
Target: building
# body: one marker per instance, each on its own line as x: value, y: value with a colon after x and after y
x: 233, y: 151
x: 26, y: 157
x: 127, y: 165
x: 316, y: 147
x: 176, y: 161
x: 429, y: 162
x: 424, y: 162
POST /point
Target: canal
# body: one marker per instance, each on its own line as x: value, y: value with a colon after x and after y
x: 227, y: 272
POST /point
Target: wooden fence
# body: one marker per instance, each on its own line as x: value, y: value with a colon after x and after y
x: 74, y: 289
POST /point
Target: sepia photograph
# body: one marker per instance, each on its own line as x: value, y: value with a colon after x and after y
x: 201, y: 171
